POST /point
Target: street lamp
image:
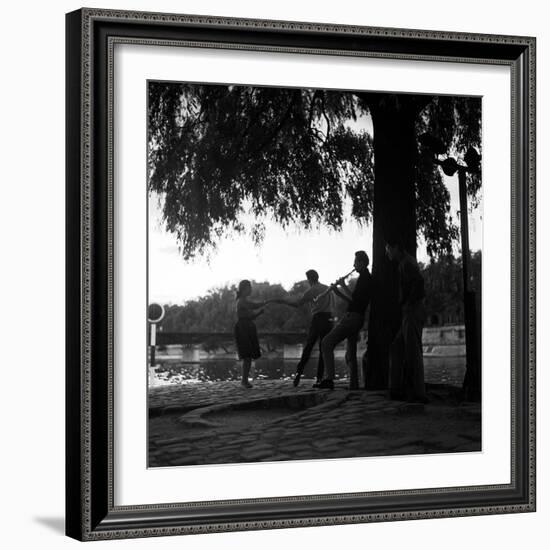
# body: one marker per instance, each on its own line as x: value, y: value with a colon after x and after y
x: 472, y: 306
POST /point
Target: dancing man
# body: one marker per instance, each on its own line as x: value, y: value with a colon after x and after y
x: 321, y: 303
x: 406, y: 377
x: 350, y: 325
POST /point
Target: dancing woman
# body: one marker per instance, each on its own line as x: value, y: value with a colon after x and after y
x: 246, y: 334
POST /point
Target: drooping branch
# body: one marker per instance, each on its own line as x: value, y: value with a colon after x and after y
x: 275, y: 130
x: 213, y: 149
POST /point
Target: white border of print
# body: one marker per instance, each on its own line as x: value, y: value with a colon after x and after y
x: 133, y: 482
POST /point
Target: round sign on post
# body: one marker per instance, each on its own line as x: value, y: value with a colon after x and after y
x: 155, y: 314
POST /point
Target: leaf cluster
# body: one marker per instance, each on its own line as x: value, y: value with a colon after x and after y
x: 218, y: 153
x: 220, y: 156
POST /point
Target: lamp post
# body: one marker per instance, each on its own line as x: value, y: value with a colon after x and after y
x: 472, y: 307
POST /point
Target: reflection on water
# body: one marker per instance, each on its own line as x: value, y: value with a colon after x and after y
x: 437, y: 370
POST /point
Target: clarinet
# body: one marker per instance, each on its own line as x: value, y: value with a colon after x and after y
x: 324, y: 293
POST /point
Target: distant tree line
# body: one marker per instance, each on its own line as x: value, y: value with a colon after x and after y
x: 215, y: 312
x: 445, y: 289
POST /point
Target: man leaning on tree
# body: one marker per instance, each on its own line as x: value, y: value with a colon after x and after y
x: 406, y: 376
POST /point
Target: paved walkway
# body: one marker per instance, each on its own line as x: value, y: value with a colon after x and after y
x: 221, y: 422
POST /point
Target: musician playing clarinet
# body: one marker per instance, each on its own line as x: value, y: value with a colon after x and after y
x: 350, y: 325
x: 321, y: 301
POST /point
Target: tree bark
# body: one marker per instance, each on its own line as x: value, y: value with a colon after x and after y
x: 394, y: 216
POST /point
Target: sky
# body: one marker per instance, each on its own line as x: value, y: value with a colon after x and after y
x: 283, y: 257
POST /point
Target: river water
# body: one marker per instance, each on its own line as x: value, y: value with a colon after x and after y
x: 437, y: 370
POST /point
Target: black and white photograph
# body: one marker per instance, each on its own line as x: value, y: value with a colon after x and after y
x: 314, y: 276
x: 270, y: 274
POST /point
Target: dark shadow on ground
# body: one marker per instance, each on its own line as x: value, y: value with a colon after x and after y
x: 55, y: 524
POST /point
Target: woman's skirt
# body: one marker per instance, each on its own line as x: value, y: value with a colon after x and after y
x: 246, y: 337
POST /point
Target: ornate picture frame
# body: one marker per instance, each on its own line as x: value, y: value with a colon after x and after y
x: 91, y: 512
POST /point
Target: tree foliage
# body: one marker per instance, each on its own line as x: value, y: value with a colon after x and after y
x: 216, y: 311
x: 217, y: 153
x: 444, y: 287
x: 456, y: 121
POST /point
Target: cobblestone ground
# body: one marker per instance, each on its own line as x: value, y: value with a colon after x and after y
x: 221, y: 422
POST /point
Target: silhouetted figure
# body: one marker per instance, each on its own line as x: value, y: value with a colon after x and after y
x: 350, y: 325
x: 406, y: 377
x: 321, y: 303
x: 246, y: 334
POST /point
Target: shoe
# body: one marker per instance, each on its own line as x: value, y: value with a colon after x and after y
x: 326, y: 384
x: 246, y: 384
x: 317, y: 382
x: 297, y: 379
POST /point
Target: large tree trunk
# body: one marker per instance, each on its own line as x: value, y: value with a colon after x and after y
x: 394, y: 215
